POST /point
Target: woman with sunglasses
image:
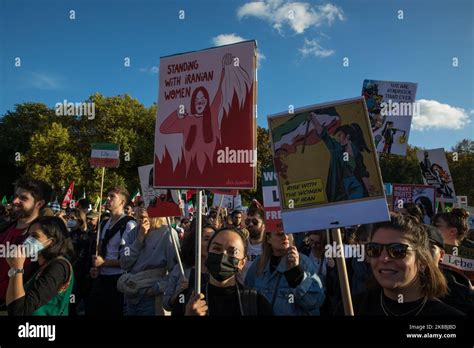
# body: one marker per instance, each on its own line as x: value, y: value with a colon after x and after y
x: 407, y: 281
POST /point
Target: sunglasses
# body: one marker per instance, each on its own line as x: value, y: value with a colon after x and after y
x: 254, y: 222
x: 394, y: 250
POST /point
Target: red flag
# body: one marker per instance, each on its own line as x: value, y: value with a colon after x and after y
x: 68, y: 197
x: 189, y: 194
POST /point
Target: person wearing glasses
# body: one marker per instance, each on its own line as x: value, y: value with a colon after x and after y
x: 222, y: 294
x: 317, y: 241
x: 407, y: 280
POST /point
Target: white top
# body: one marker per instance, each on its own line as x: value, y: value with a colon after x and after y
x: 253, y: 251
x: 113, y: 247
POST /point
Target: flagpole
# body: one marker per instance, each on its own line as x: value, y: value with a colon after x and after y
x: 197, y: 265
x: 176, y: 249
x: 100, y: 213
x: 220, y: 206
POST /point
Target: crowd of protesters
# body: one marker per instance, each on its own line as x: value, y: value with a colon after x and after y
x: 146, y: 265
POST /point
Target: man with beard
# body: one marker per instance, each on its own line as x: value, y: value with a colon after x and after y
x: 30, y: 197
x: 255, y: 224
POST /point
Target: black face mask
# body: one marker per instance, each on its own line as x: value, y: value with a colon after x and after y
x: 221, y: 266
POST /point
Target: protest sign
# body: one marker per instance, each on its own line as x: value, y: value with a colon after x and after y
x: 227, y: 201
x: 435, y: 171
x: 461, y: 259
x: 327, y: 168
x: 159, y: 202
x: 423, y: 196
x: 271, y: 200
x: 391, y: 106
x: 205, y: 135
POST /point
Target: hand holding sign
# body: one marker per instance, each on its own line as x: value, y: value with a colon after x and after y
x: 293, y: 257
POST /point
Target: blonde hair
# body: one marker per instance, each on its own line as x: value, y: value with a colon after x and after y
x: 267, y: 251
x: 155, y: 222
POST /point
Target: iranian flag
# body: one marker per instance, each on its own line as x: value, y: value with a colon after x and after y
x: 136, y: 197
x: 105, y: 155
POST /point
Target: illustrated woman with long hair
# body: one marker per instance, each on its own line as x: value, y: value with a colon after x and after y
x: 348, y: 177
x: 201, y: 127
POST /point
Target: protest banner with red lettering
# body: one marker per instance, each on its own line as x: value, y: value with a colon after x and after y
x: 271, y: 200
x: 205, y: 134
x: 327, y: 168
x: 421, y: 195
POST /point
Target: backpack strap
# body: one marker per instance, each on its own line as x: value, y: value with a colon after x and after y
x: 119, y: 226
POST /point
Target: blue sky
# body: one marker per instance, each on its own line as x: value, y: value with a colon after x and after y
x: 71, y: 59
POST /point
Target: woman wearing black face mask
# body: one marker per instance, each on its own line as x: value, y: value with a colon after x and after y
x: 223, y: 295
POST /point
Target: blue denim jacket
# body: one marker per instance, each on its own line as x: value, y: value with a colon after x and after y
x: 305, y: 299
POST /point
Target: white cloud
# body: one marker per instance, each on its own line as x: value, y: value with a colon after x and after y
x: 299, y: 16
x: 227, y: 39
x: 313, y: 48
x: 151, y: 70
x: 435, y: 115
x: 43, y: 81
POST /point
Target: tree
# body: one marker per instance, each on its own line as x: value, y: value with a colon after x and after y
x: 50, y: 157
x: 264, y: 159
x: 461, y: 166
x: 400, y: 169
x: 59, y: 147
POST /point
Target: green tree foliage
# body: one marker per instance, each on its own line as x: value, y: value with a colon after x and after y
x: 264, y: 158
x: 57, y: 149
x: 461, y: 165
x: 400, y: 169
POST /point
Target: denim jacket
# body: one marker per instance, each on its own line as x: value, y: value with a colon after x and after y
x: 305, y: 299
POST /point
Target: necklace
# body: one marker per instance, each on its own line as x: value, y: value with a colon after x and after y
x: 389, y: 312
x: 238, y: 297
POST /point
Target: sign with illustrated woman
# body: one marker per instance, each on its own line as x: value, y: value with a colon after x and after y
x: 205, y: 134
x: 326, y: 165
